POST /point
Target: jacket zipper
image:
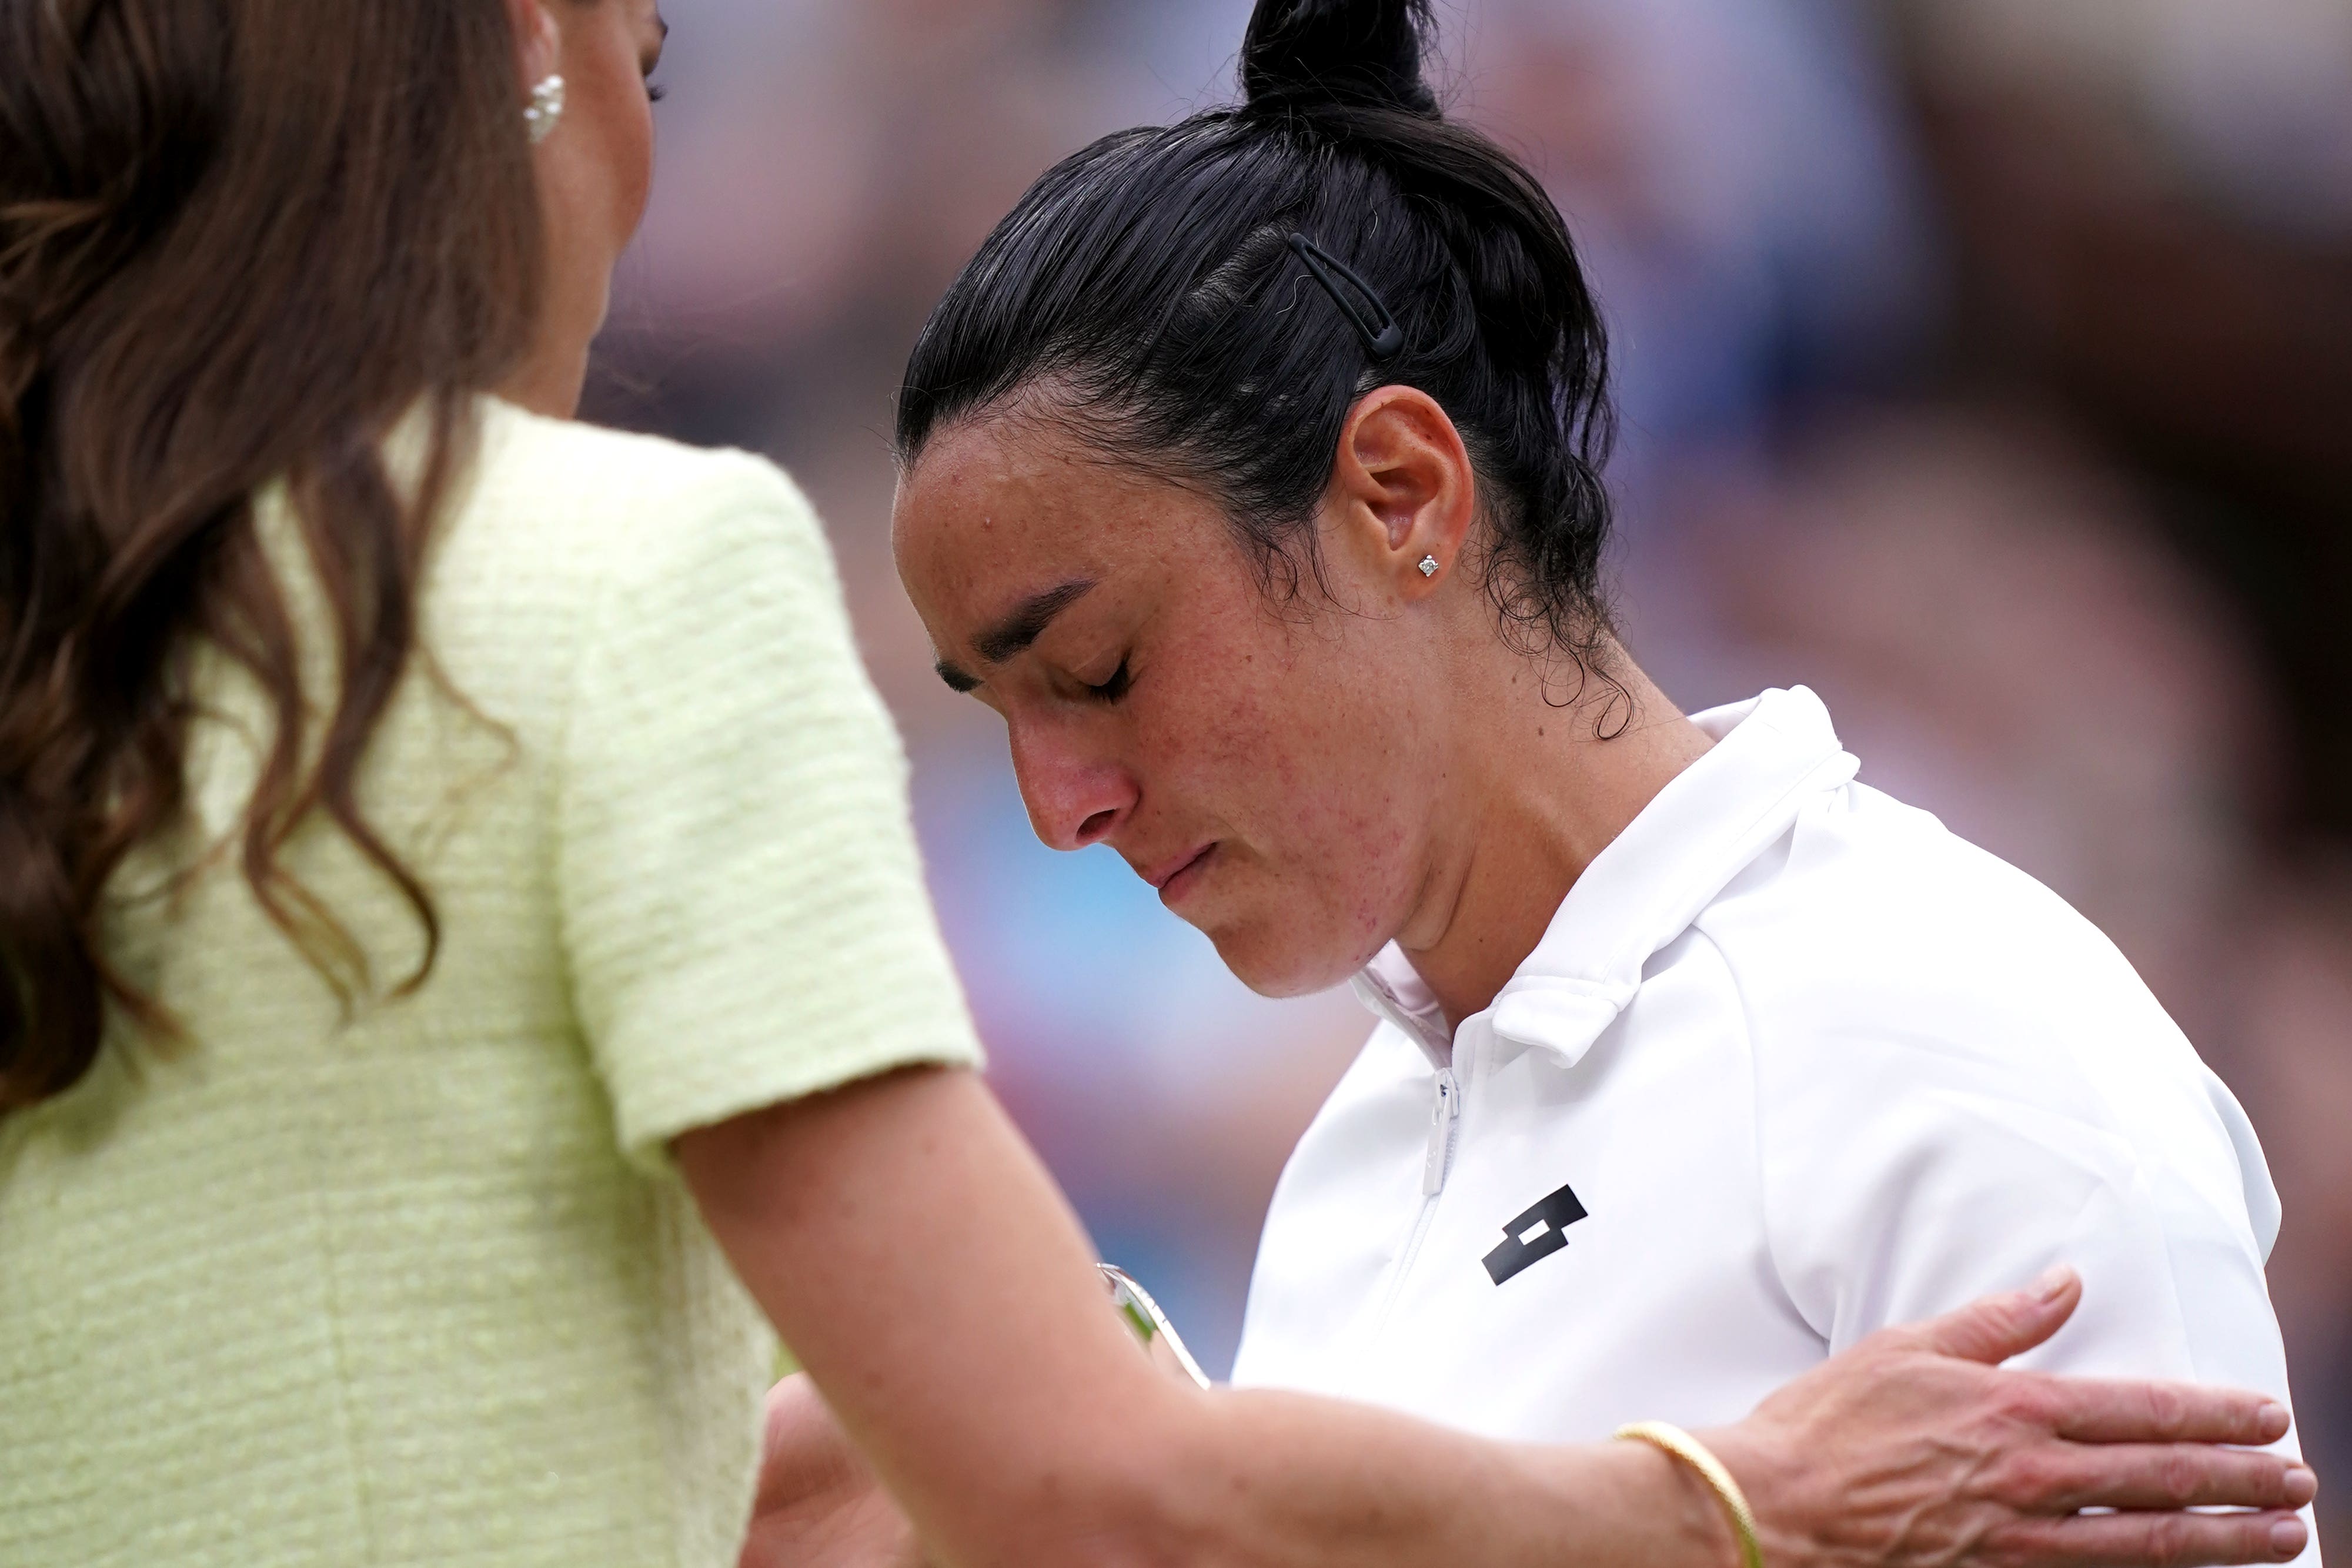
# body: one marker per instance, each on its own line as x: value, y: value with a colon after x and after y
x: 1444, y: 1111
x: 1445, y: 1117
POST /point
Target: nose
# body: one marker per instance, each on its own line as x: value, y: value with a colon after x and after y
x: 1076, y: 795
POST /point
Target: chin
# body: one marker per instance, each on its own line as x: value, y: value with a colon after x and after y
x: 1277, y: 959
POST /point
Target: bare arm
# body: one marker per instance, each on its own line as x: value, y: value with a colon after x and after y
x: 920, y: 1263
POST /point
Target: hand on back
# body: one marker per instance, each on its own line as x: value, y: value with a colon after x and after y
x: 1913, y: 1448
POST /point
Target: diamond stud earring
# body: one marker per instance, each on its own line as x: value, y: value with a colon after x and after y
x: 1429, y: 566
x: 546, y: 109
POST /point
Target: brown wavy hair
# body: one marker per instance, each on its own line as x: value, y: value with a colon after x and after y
x: 239, y: 241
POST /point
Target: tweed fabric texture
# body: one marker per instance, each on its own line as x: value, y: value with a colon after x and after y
x: 407, y: 1280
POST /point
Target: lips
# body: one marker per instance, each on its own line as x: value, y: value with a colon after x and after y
x: 1172, y: 876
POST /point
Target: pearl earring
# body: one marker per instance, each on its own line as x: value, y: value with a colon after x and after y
x: 1429, y: 566
x: 546, y: 109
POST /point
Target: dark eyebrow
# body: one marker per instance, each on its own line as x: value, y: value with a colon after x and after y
x: 1017, y: 631
x: 1028, y: 620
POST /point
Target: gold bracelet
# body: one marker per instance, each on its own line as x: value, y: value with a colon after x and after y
x: 1674, y: 1440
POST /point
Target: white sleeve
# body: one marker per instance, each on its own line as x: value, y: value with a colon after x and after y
x: 1917, y: 1155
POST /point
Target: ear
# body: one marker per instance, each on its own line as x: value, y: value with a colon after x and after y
x: 539, y: 43
x: 1405, y: 490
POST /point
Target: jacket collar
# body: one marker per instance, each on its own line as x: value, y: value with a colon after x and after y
x: 1772, y: 755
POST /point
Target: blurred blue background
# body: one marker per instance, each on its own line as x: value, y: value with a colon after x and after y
x: 1986, y: 364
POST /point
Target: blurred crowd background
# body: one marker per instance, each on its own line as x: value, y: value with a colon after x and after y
x: 1986, y: 365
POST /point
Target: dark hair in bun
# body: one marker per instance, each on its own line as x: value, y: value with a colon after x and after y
x: 1154, y: 280
x: 1340, y: 52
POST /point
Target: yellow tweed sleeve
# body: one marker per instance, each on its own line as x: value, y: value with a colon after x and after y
x: 743, y: 902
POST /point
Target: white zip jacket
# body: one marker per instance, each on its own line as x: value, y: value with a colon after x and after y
x: 1793, y: 1064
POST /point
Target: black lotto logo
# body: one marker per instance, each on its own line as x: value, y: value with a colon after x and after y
x: 1535, y: 1235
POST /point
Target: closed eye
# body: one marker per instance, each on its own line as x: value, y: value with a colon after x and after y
x: 1111, y: 690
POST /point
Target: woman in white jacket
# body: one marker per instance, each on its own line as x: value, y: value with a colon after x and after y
x: 1250, y: 473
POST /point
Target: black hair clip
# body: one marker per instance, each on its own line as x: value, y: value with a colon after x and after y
x: 1383, y: 336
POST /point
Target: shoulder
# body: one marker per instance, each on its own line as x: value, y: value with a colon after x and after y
x: 1906, y: 991
x: 554, y: 525
x: 1872, y: 915
x: 619, y: 498
x: 570, y: 558
x: 1876, y: 952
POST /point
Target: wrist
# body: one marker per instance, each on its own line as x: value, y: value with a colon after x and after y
x: 1700, y: 1461
x: 1761, y: 1467
x: 1682, y: 1520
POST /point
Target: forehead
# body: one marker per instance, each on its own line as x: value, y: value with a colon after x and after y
x: 997, y: 508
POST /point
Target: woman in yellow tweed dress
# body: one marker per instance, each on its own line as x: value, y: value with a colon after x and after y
x: 445, y: 854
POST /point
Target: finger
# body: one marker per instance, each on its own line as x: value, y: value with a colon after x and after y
x: 2104, y: 1410
x: 803, y: 1452
x: 2156, y: 1475
x: 2152, y: 1539
x: 1991, y: 1329
x: 792, y: 1404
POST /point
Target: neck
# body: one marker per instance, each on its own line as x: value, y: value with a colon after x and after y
x: 1540, y: 794
x: 548, y: 378
x: 547, y: 382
